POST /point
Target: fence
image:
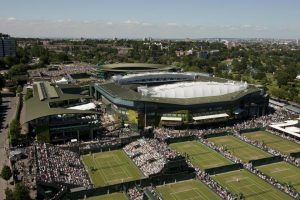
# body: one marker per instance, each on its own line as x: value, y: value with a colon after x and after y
x: 251, y: 130
x: 81, y: 193
x: 216, y: 135
x: 265, y: 161
x: 180, y: 139
x: 223, y: 169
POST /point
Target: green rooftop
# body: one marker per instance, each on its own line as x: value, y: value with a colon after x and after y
x: 129, y: 92
x: 136, y: 67
x: 36, y: 108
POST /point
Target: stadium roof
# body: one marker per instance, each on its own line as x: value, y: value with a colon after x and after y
x: 36, y: 108
x: 193, y: 89
x: 128, y: 92
x: 136, y: 67
x: 292, y: 108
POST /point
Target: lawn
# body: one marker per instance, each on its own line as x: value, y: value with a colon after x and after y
x: 284, y: 173
x: 190, y: 190
x: 252, y: 187
x: 274, y: 141
x: 112, y: 196
x: 111, y: 167
x: 200, y: 155
x: 240, y: 149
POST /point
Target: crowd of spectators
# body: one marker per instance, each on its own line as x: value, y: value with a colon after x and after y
x: 285, y: 188
x: 266, y: 148
x: 150, y: 155
x: 59, y: 166
x: 63, y: 70
x: 259, y: 122
x: 283, y: 135
x: 24, y: 168
x: 135, y: 194
x: 220, y: 149
x: 99, y: 144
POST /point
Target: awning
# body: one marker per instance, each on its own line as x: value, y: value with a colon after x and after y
x: 177, y: 119
x: 293, y: 129
x: 278, y: 128
x: 222, y: 115
x: 88, y: 106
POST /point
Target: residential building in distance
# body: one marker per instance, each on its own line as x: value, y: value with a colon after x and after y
x: 7, y: 45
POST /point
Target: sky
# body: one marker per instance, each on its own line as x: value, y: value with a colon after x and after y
x: 151, y: 18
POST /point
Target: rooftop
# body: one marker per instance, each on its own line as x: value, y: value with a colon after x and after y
x: 36, y: 108
x: 129, y: 92
x: 193, y: 89
x: 136, y: 67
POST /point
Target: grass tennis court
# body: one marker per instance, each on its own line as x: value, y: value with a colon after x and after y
x: 112, y: 196
x: 240, y: 149
x: 187, y: 190
x: 111, y: 167
x: 284, y: 173
x: 274, y: 141
x: 252, y: 187
x: 200, y: 155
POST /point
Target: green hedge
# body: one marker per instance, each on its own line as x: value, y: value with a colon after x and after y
x: 42, y: 134
x: 224, y: 169
x: 216, y: 135
x: 265, y: 161
x: 180, y: 139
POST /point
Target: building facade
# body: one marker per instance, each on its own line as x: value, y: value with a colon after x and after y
x: 7, y: 45
x: 126, y: 103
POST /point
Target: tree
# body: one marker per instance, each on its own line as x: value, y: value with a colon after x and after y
x: 29, y: 94
x: 282, y: 78
x: 6, y: 172
x: 2, y: 81
x: 9, y: 195
x: 21, y: 192
x: 14, y: 131
x: 19, y: 69
x: 44, y: 60
x: 10, y: 60
x: 19, y: 89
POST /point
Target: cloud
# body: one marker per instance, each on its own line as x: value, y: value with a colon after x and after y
x: 146, y: 24
x: 246, y: 26
x: 131, y: 22
x: 172, y: 24
x: 11, y: 19
x: 65, y: 28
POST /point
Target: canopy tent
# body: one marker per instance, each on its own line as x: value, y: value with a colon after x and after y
x: 88, y: 106
x: 287, y: 127
x: 215, y: 116
x: 293, y: 129
x: 63, y: 80
x: 177, y: 119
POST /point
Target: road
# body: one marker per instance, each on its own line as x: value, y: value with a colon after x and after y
x: 7, y: 112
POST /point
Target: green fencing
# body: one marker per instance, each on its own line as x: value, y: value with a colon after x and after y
x: 223, y: 169
x: 180, y: 139
x: 266, y: 161
x: 81, y: 193
x: 216, y: 135
x: 295, y: 154
x: 251, y: 130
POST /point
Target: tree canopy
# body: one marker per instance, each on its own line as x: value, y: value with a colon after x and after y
x: 6, y: 172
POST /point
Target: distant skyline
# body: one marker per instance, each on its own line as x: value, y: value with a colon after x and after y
x: 155, y: 18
